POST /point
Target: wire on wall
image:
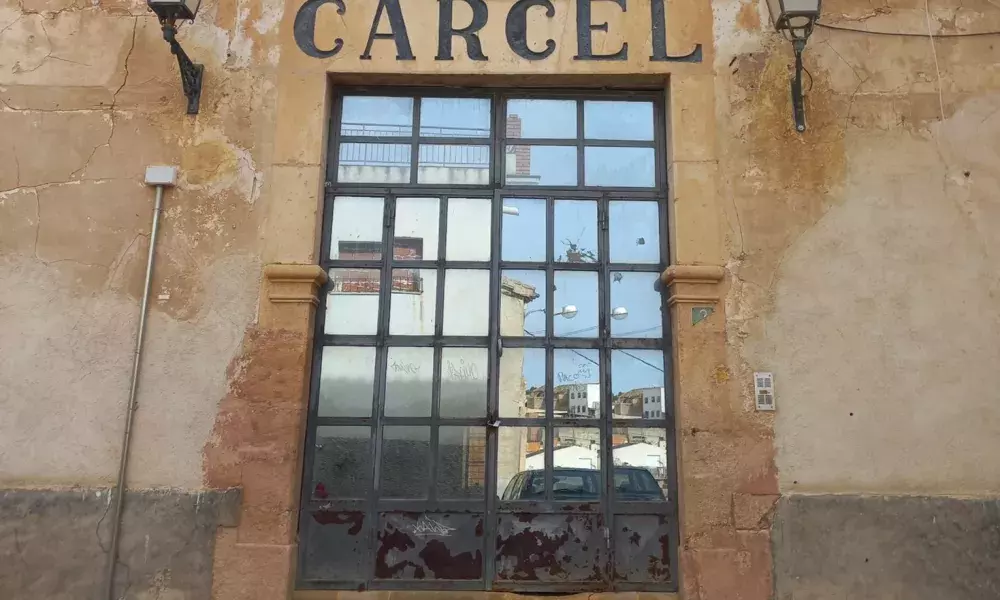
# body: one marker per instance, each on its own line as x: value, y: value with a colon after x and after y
x: 907, y: 34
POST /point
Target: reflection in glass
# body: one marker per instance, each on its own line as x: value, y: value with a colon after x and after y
x: 619, y: 167
x: 577, y: 383
x: 522, y: 383
x: 377, y: 116
x: 342, y: 465
x: 463, y: 382
x: 455, y: 117
x: 575, y: 231
x: 634, y: 232
x: 615, y: 120
x: 522, y: 303
x: 373, y: 163
x: 575, y: 302
x: 640, y: 455
x: 469, y: 224
x: 413, y: 302
x: 405, y: 461
x: 632, y: 294
x: 458, y: 164
x: 523, y: 230
x: 347, y: 381
x: 408, y: 381
x: 540, y: 165
x: 466, y: 302
x: 550, y: 119
x: 576, y: 463
x: 356, y: 232
x: 516, y: 447
x: 416, y: 229
x: 461, y: 467
x: 352, y: 302
x: 637, y: 384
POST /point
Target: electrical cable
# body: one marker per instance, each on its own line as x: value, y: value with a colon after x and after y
x: 907, y: 34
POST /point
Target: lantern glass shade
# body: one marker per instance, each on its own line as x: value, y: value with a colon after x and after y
x: 174, y: 9
x: 794, y: 18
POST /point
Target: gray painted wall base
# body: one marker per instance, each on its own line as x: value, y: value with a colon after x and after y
x: 53, y: 544
x: 886, y: 548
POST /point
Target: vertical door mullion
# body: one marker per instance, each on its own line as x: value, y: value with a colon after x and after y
x: 550, y: 393
x: 493, y: 385
x: 604, y: 331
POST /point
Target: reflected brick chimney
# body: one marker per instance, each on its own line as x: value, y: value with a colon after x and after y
x: 522, y: 154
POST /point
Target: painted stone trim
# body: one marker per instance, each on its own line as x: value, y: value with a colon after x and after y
x: 692, y: 284
x: 294, y: 283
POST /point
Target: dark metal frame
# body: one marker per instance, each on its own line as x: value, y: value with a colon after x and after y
x: 490, y: 506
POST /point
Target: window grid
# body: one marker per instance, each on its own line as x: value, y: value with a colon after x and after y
x: 608, y: 508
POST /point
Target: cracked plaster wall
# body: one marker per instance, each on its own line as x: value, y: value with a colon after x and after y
x: 863, y: 253
x: 89, y: 96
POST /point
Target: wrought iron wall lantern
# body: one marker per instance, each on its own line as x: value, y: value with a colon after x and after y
x: 795, y: 19
x: 168, y: 12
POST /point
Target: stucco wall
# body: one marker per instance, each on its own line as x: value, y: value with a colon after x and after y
x: 89, y: 96
x: 863, y: 252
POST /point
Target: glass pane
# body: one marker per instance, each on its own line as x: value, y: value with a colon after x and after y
x: 342, y: 464
x: 347, y: 381
x: 562, y: 547
x: 619, y: 167
x: 640, y: 455
x: 635, y: 305
x: 612, y: 120
x: 540, y: 165
x: 373, y: 163
x: 550, y: 119
x: 523, y: 230
x: 466, y: 302
x: 455, y: 117
x: 334, y: 542
x: 576, y: 464
x: 461, y: 467
x: 414, y: 299
x: 405, y: 462
x: 416, y: 229
x: 463, y: 382
x: 637, y: 384
x: 469, y: 225
x: 356, y: 231
x: 430, y: 546
x: 522, y: 303
x: 520, y: 460
x: 575, y: 231
x: 459, y: 164
x: 642, y: 548
x: 352, y: 302
x: 575, y: 304
x: 377, y: 116
x: 634, y: 232
x: 409, y: 380
x: 522, y: 383
x: 577, y: 380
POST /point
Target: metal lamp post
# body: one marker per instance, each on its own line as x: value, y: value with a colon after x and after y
x: 168, y: 12
x: 795, y: 19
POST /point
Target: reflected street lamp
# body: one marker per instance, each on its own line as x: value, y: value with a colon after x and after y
x: 569, y: 311
x: 619, y: 313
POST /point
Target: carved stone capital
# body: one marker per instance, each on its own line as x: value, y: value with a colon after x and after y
x: 692, y: 284
x: 294, y: 283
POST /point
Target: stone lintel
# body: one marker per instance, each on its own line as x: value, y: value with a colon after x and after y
x: 693, y: 284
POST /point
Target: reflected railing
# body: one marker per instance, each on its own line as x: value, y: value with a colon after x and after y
x: 366, y: 282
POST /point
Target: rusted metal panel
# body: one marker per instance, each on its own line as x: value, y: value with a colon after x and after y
x: 429, y: 546
x: 335, y: 544
x: 642, y: 548
x: 551, y: 547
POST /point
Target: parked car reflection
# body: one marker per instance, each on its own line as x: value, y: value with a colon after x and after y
x: 631, y: 484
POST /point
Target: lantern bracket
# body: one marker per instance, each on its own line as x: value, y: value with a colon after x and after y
x: 191, y: 72
x: 798, y: 105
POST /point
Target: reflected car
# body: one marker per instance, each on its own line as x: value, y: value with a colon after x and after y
x: 631, y: 483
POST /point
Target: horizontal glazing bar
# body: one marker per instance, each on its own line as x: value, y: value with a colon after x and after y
x: 416, y: 341
x: 427, y: 140
x: 453, y: 506
x: 573, y: 142
x: 663, y: 507
x: 543, y: 507
x: 479, y: 191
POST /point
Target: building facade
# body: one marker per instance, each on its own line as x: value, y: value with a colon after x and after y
x: 441, y: 283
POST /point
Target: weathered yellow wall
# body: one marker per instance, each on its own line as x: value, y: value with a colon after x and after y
x: 863, y: 252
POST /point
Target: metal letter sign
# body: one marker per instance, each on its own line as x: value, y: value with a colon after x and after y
x: 516, y: 30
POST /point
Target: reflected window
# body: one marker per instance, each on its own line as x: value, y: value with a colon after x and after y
x: 491, y: 366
